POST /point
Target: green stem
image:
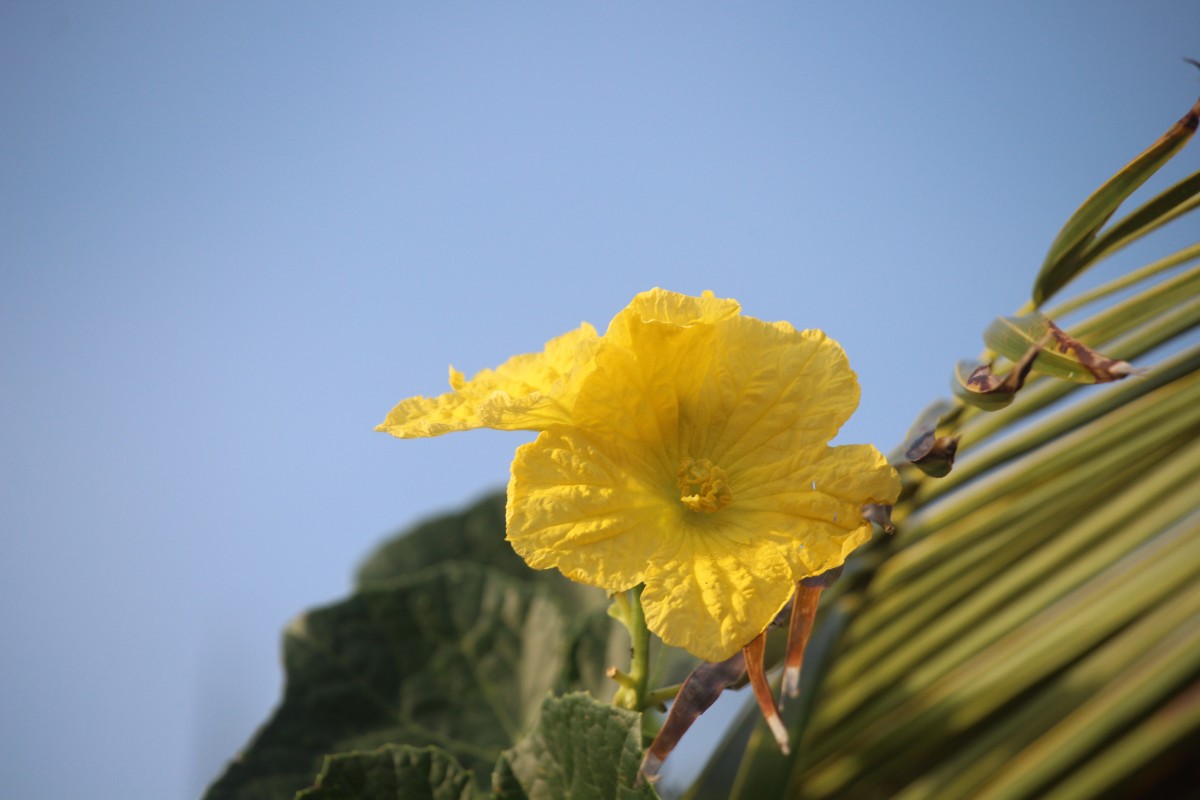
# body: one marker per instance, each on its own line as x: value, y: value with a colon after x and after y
x: 660, y: 696
x: 632, y: 694
x: 620, y: 608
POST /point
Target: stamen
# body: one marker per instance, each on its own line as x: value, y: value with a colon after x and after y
x: 702, y: 485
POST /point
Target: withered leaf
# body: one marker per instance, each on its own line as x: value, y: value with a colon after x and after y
x: 979, y: 387
x: 699, y: 691
x: 755, y: 653
x: 1102, y: 368
x: 1062, y: 356
x: 879, y: 514
x: 804, y: 612
x: 933, y: 454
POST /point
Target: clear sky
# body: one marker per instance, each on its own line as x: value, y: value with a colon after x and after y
x: 233, y: 234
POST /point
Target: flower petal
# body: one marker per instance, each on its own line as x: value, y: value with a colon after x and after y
x: 671, y: 308
x: 575, y: 504
x: 711, y: 593
x: 709, y: 385
x: 527, y: 392
x: 774, y: 390
x: 639, y: 387
x: 810, y: 504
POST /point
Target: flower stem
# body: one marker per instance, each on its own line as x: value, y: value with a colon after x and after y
x: 632, y: 694
x: 660, y: 696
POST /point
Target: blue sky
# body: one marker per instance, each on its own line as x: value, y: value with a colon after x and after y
x: 232, y: 235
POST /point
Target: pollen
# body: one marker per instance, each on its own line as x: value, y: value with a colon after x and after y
x: 702, y: 485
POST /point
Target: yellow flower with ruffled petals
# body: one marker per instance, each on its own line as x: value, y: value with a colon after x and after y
x: 697, y: 462
x: 691, y: 454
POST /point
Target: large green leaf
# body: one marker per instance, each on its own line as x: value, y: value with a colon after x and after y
x: 392, y: 773
x: 1177, y: 259
x: 451, y: 640
x: 475, y: 534
x: 581, y: 750
x: 458, y: 655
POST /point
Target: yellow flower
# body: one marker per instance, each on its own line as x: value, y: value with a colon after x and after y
x: 697, y: 462
x: 686, y: 449
x: 527, y: 392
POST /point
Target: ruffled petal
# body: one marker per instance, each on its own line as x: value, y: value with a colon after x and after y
x: 710, y: 593
x: 528, y: 392
x: 578, y: 504
x: 772, y: 390
x: 671, y: 308
x: 700, y: 380
x: 640, y: 389
x: 810, y: 504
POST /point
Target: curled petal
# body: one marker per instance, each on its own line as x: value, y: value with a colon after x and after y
x: 671, y: 308
x: 527, y: 392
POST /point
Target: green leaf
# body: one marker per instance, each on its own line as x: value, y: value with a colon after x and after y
x: 1066, y: 260
x: 1006, y: 624
x: 475, y: 535
x: 1168, y: 206
x: 580, y: 749
x: 1044, y: 431
x: 1033, y: 629
x: 1168, y: 323
x: 458, y: 655
x: 1061, y: 356
x: 1121, y: 282
x: 393, y: 772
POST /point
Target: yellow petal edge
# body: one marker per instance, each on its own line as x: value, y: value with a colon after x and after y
x: 527, y: 392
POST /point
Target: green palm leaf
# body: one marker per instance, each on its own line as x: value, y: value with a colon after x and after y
x: 1033, y: 630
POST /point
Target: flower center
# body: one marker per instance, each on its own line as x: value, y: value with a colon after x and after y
x: 702, y: 485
